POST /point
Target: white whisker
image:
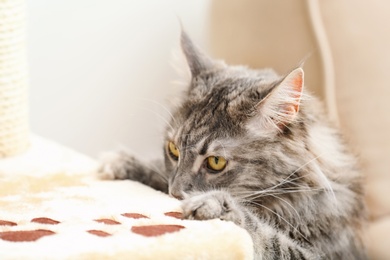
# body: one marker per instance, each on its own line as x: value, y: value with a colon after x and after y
x: 159, y: 104
x: 278, y: 215
x: 157, y: 171
x: 158, y: 115
x: 289, y: 204
x: 286, y: 180
x: 299, y: 168
x: 259, y: 194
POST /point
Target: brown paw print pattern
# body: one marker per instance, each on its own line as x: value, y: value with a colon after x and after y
x: 99, y: 233
x: 7, y: 223
x: 155, y: 230
x: 144, y: 230
x: 133, y: 215
x: 25, y: 236
x: 107, y: 221
x: 178, y: 215
x: 48, y: 221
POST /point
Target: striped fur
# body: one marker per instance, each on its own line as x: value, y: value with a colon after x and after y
x: 289, y: 180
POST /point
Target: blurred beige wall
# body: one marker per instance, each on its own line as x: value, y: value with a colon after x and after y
x: 359, y: 34
x: 266, y: 34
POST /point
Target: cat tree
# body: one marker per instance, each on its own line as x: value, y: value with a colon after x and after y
x: 14, y: 131
x: 52, y: 206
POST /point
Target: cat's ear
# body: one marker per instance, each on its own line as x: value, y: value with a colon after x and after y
x: 281, y: 106
x: 196, y: 59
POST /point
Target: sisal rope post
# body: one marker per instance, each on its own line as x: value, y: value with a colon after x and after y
x: 14, y: 129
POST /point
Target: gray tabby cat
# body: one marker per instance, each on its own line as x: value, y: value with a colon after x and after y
x: 252, y: 147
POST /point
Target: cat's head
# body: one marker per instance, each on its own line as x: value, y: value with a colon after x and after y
x: 237, y: 129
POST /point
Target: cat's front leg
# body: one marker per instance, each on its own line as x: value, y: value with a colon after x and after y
x: 122, y: 165
x: 269, y: 242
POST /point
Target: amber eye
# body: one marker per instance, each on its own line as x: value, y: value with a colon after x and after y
x: 216, y: 163
x: 173, y: 151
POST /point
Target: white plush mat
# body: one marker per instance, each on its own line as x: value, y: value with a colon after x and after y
x: 50, y: 191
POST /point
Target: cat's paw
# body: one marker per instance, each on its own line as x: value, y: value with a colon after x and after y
x: 116, y: 165
x: 211, y: 205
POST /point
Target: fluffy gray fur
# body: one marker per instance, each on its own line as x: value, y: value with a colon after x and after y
x: 289, y: 180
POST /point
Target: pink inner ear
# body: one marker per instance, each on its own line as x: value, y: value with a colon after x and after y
x: 297, y: 82
x: 297, y: 85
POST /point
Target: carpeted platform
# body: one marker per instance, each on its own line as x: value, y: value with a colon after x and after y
x: 52, y: 207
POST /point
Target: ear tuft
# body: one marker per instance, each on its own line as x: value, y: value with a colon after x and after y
x: 281, y: 106
x: 196, y: 59
x: 293, y: 85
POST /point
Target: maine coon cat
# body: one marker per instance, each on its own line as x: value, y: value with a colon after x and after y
x: 252, y: 147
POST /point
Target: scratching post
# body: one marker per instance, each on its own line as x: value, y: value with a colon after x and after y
x: 14, y: 130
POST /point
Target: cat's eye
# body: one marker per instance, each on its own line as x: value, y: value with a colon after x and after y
x: 173, y: 151
x: 216, y: 163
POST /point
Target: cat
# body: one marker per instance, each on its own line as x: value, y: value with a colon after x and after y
x: 252, y: 147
